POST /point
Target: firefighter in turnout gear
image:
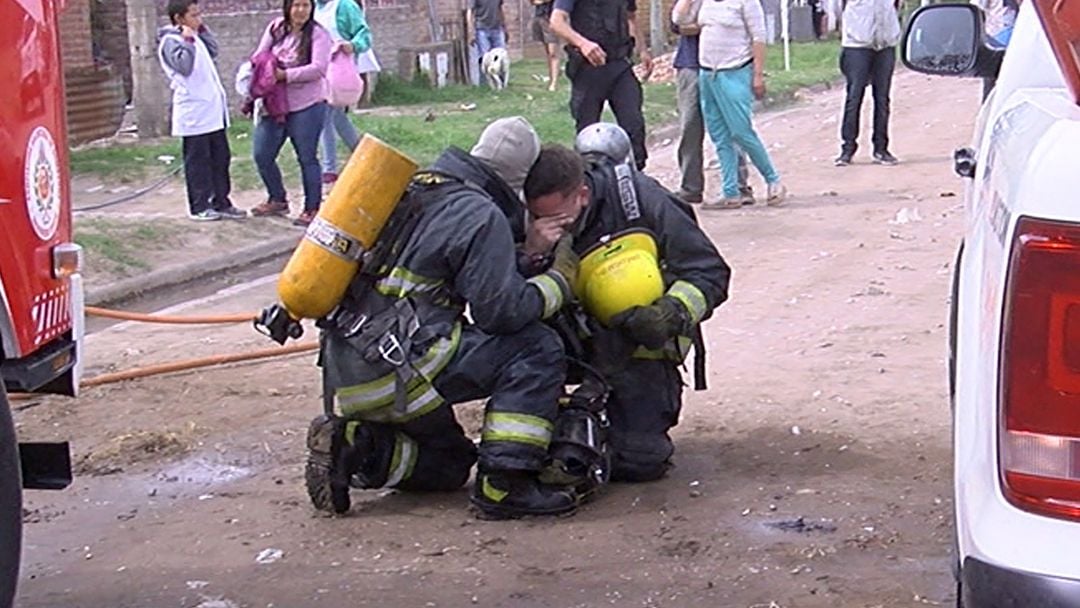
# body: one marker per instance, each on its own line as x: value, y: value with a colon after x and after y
x: 643, y: 335
x: 399, y: 352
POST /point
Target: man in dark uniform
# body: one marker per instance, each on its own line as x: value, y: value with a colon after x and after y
x: 641, y: 348
x: 403, y: 352
x: 600, y: 37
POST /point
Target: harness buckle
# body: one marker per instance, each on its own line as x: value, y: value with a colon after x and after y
x: 344, y: 321
x: 391, y: 351
x: 352, y: 325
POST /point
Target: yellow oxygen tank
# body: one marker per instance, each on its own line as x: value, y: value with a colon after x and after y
x: 349, y: 221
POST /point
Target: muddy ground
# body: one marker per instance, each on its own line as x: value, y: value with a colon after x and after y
x: 814, y: 472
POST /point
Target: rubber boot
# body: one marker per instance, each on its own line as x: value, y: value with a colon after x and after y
x: 513, y: 494
x: 332, y: 462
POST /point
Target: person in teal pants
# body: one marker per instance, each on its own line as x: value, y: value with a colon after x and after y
x: 731, y: 55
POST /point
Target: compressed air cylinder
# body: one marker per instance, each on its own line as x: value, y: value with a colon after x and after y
x: 348, y: 223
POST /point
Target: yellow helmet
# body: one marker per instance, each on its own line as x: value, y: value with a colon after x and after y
x: 618, y: 273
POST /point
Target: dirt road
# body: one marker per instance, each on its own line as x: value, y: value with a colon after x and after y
x: 814, y: 472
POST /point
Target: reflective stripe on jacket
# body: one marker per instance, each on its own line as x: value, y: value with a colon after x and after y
x: 694, y: 272
x: 458, y: 253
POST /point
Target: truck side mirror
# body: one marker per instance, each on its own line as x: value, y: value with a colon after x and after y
x: 948, y: 40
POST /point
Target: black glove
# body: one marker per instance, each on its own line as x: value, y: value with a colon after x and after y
x: 652, y: 326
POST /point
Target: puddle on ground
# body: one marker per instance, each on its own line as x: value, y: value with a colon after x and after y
x: 801, y: 526
x: 202, y: 471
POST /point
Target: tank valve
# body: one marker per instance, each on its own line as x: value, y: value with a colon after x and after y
x: 275, y: 322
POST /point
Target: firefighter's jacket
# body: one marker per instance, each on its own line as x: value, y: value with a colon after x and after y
x: 694, y: 273
x: 405, y: 318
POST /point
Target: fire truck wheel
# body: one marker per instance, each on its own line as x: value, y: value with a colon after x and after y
x: 10, y: 504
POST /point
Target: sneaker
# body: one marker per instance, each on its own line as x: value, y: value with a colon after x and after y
x: 305, y: 217
x: 326, y: 479
x: 727, y: 202
x: 884, y: 158
x: 746, y: 195
x: 206, y: 215
x: 843, y: 160
x: 514, y: 494
x: 329, y: 177
x: 270, y: 208
x: 232, y: 213
x: 776, y: 194
x: 693, y: 198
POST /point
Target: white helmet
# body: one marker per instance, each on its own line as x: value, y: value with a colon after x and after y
x: 604, y: 139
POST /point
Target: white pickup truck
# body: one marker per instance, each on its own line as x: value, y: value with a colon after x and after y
x: 1015, y: 339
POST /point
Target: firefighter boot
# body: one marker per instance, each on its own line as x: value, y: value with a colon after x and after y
x: 332, y: 461
x: 513, y: 494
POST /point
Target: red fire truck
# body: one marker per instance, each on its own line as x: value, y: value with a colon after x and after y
x: 40, y: 287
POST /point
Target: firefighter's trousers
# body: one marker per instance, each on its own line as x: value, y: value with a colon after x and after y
x: 645, y: 402
x: 522, y: 375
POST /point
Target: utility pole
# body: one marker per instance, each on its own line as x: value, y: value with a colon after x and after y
x: 657, y: 23
x: 149, y: 91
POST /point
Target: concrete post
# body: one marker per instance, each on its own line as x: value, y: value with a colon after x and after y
x: 657, y: 21
x: 150, y: 94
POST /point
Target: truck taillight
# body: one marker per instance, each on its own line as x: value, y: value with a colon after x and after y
x: 67, y: 260
x: 1040, y: 370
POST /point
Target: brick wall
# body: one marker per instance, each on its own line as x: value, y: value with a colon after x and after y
x: 518, y: 21
x: 238, y: 23
x: 237, y: 35
x: 394, y: 25
x: 94, y: 93
x: 644, y: 21
x: 108, y: 19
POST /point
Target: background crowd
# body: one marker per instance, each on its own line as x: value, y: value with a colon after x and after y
x: 720, y: 63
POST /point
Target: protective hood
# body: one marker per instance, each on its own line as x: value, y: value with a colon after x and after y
x: 459, y: 163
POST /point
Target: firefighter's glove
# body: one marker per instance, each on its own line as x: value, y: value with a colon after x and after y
x: 652, y: 326
x: 565, y: 263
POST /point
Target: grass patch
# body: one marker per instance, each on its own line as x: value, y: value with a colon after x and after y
x: 128, y: 162
x: 115, y: 245
x: 422, y: 121
x: 811, y: 63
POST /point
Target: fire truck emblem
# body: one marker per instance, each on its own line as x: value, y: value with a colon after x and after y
x: 42, y: 179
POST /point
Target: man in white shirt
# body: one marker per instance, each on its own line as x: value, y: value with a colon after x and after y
x: 871, y: 31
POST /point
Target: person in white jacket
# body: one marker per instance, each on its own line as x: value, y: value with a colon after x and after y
x: 199, y: 111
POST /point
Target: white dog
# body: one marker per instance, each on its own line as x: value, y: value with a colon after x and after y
x: 496, y: 66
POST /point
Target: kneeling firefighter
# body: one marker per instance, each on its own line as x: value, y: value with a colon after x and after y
x: 399, y: 351
x: 649, y: 275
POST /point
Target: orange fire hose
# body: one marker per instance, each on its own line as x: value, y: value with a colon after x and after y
x: 179, y: 366
x: 189, y: 364
x: 174, y: 320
